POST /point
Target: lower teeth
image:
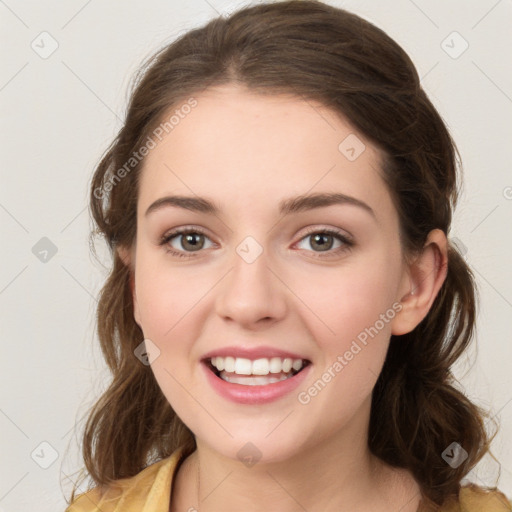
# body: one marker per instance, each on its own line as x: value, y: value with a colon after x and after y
x: 253, y: 381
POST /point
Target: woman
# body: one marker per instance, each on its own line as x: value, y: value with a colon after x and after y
x: 285, y: 304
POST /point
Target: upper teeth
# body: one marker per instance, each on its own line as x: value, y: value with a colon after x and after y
x: 263, y: 366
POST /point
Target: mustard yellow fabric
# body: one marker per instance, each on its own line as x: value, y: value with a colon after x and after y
x: 150, y: 491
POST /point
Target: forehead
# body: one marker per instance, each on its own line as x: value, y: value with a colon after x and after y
x: 239, y: 146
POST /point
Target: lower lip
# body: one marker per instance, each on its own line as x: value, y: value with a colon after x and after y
x: 255, y: 394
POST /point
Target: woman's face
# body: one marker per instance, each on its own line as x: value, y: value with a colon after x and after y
x: 262, y: 279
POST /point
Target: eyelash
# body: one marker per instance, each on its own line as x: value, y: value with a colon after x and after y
x: 165, y: 239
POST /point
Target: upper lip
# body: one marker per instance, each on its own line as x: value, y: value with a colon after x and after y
x: 253, y: 353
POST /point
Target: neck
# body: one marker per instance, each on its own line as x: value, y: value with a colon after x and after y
x: 337, y: 474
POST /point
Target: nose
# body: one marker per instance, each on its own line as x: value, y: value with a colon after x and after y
x: 252, y: 294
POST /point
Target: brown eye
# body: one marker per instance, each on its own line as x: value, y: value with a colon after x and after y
x: 184, y: 241
x: 323, y: 240
x: 192, y: 241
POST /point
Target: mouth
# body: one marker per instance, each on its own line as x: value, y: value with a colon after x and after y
x: 257, y: 372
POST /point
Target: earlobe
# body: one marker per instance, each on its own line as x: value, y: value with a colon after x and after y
x: 426, y: 275
x: 124, y: 254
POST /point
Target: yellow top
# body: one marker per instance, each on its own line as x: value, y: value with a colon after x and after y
x: 150, y: 491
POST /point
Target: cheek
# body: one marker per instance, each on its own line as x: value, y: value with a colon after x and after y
x: 353, y: 309
x: 163, y: 297
x: 356, y: 310
x: 347, y: 300
x: 340, y: 301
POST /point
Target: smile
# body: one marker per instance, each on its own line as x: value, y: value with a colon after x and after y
x: 258, y: 372
x: 262, y: 373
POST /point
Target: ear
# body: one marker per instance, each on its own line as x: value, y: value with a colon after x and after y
x: 128, y: 259
x: 423, y: 280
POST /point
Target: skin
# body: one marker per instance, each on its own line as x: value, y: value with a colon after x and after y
x: 246, y: 153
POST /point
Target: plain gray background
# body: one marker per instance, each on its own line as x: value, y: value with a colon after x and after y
x: 60, y: 111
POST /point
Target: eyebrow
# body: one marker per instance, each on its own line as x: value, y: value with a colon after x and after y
x: 286, y: 206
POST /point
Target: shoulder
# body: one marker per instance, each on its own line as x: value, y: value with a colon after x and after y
x: 473, y: 498
x: 149, y: 488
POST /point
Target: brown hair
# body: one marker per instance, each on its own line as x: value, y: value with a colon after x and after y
x: 322, y: 53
